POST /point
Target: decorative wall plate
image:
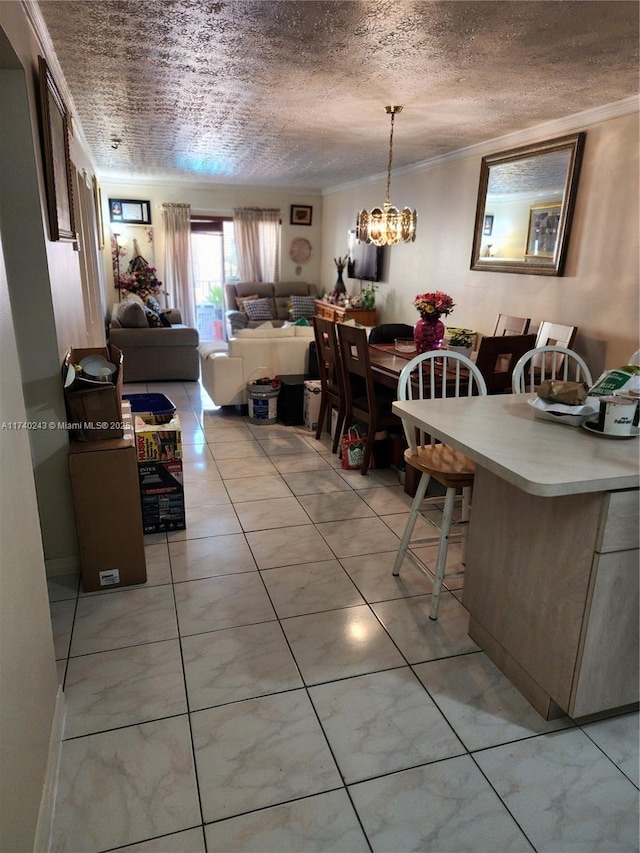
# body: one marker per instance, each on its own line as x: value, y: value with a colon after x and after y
x: 300, y: 250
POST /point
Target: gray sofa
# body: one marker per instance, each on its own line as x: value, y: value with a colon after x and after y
x: 277, y: 292
x: 157, y: 354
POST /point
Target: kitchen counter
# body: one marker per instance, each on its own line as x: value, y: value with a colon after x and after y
x: 551, y: 580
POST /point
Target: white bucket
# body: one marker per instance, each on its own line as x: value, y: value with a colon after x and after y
x: 263, y: 403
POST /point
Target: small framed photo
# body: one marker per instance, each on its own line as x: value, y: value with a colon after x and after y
x: 129, y: 211
x: 300, y: 214
x: 542, y: 237
x: 55, y: 125
x: 488, y: 225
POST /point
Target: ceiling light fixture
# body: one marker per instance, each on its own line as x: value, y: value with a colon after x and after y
x: 387, y: 226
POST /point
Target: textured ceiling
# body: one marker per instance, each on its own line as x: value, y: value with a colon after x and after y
x: 290, y: 93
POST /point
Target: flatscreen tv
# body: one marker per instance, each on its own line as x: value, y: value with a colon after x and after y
x: 365, y: 260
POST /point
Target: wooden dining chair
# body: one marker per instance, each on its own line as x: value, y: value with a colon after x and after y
x: 506, y: 325
x: 497, y: 356
x: 422, y: 379
x: 365, y: 401
x: 550, y: 362
x: 555, y: 335
x: 331, y: 378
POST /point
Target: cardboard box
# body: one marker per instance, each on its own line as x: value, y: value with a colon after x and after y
x: 161, y: 496
x: 312, y: 397
x: 104, y: 483
x: 157, y: 442
x: 94, y: 409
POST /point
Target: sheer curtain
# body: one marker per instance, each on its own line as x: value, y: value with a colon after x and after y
x: 177, y: 259
x: 257, y: 234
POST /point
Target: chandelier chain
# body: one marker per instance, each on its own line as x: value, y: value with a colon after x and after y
x: 393, y: 115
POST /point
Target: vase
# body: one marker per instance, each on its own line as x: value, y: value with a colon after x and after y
x: 339, y: 290
x: 428, y: 334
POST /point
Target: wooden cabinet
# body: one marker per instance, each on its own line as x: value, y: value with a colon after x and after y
x: 553, y: 593
x: 338, y: 314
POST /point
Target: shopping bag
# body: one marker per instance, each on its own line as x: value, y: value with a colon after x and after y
x: 352, y: 450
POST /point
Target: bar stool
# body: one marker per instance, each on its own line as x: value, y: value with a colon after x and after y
x: 437, y: 373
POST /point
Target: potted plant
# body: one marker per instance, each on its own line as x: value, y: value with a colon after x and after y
x: 461, y: 341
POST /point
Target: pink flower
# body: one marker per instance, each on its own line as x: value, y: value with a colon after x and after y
x: 436, y: 302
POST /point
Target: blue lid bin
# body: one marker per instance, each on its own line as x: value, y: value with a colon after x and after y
x: 155, y: 408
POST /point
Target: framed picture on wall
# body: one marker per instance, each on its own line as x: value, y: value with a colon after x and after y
x: 300, y: 214
x: 488, y: 225
x: 54, y: 120
x: 130, y: 211
x: 544, y: 221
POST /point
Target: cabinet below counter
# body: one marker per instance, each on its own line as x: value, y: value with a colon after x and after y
x: 338, y: 313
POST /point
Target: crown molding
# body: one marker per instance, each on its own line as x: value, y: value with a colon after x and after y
x: 110, y: 180
x: 36, y: 21
x: 546, y: 130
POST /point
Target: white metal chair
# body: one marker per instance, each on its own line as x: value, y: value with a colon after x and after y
x: 551, y: 362
x: 437, y: 374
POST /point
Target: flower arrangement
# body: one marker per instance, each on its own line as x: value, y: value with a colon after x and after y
x: 142, y: 282
x: 341, y: 262
x: 432, y: 305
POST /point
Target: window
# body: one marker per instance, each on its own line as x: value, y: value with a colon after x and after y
x: 215, y: 264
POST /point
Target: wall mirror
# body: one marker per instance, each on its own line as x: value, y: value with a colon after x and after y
x: 526, y: 198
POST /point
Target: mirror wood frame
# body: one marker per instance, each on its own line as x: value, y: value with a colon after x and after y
x: 574, y: 145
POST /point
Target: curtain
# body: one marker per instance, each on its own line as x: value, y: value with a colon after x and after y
x: 177, y: 259
x: 257, y: 235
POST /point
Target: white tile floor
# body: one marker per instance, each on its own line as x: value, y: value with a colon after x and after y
x: 273, y: 688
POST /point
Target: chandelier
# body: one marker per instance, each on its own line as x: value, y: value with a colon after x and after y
x: 387, y: 226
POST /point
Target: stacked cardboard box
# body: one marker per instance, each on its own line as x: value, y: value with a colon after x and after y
x: 107, y: 508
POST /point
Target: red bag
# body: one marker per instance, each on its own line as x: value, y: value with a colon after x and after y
x: 352, y: 450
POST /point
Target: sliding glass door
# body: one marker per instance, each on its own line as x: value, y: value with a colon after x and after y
x: 215, y: 264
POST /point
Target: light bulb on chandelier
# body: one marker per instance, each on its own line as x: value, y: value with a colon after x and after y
x: 387, y: 226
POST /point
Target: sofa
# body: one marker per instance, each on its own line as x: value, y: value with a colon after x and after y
x: 154, y: 354
x: 278, y: 295
x: 252, y: 354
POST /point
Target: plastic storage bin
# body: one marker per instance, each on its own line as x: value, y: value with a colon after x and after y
x: 158, y: 405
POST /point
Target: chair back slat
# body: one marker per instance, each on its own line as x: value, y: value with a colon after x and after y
x: 437, y: 374
x: 555, y: 335
x: 506, y: 326
x: 548, y: 362
x: 497, y: 357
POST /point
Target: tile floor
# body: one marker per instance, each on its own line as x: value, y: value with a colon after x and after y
x: 273, y: 688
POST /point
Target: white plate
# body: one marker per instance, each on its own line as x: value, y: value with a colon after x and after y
x: 590, y: 426
x: 98, y: 368
x: 558, y: 417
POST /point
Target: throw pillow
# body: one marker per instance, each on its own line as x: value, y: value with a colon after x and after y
x: 131, y: 314
x: 302, y: 306
x: 152, y: 303
x: 242, y: 299
x: 153, y: 319
x: 258, y: 309
x: 301, y: 322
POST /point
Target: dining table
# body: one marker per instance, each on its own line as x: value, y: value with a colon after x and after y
x: 551, y: 575
x: 387, y: 363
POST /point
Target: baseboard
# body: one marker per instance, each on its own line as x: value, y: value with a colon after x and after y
x: 62, y: 566
x: 44, y: 828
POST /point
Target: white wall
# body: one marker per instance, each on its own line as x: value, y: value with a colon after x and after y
x: 28, y: 678
x: 215, y: 201
x: 44, y: 285
x: 599, y: 290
